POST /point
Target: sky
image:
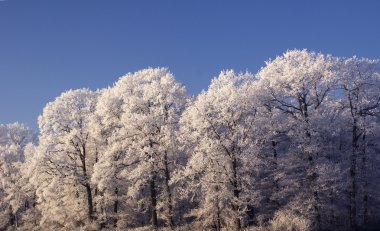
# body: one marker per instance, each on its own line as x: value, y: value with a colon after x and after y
x: 50, y: 46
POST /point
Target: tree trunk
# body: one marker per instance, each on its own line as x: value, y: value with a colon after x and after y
x: 168, y: 192
x: 89, y: 202
x: 354, y: 145
x: 115, y: 207
x: 153, y: 199
x: 12, y: 217
x: 275, y: 202
x: 96, y: 187
x: 218, y: 217
x: 317, y: 211
x: 235, y: 205
x: 365, y: 183
x: 332, y: 220
x: 314, y: 176
x: 87, y: 185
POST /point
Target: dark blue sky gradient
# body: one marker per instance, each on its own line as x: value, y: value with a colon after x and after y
x: 49, y: 46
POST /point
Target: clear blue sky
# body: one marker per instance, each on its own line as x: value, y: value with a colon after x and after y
x: 49, y: 46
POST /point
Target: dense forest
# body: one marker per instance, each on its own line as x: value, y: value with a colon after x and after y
x: 295, y: 146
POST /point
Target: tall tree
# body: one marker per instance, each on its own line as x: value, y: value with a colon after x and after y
x: 111, y: 150
x: 143, y: 141
x: 360, y: 81
x: 298, y: 84
x: 217, y: 128
x: 68, y: 152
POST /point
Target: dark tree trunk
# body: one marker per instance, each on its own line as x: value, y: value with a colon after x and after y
x: 86, y: 184
x: 354, y: 146
x: 332, y: 220
x: 96, y: 187
x: 12, y: 217
x: 317, y: 211
x: 89, y: 201
x: 313, y: 176
x: 218, y: 217
x: 115, y: 207
x: 236, y: 192
x: 153, y: 199
x: 365, y: 183
x: 275, y: 202
x: 168, y: 192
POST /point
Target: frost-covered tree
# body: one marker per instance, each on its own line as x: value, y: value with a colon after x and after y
x: 272, y: 141
x: 139, y: 117
x: 298, y: 84
x: 13, y: 201
x: 360, y: 82
x: 32, y: 216
x: 66, y: 154
x: 105, y: 123
x: 220, y: 174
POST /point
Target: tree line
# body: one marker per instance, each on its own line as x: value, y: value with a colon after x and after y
x: 293, y: 147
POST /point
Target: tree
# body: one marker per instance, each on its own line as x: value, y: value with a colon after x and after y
x: 298, y: 84
x: 360, y: 82
x: 105, y: 124
x: 67, y: 155
x: 220, y: 173
x: 13, y: 202
x: 141, y: 138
